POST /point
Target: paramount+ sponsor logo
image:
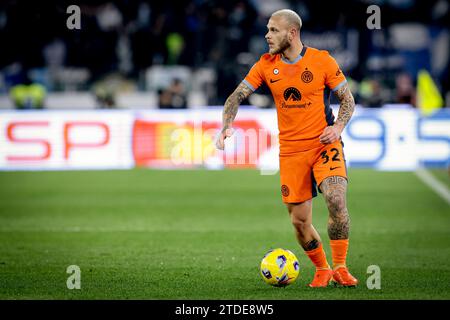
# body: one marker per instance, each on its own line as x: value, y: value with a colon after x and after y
x: 292, y: 98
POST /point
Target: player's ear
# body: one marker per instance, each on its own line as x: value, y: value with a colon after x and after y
x: 292, y: 34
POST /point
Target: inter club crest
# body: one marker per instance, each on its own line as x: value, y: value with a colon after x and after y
x: 307, y: 76
x: 284, y: 190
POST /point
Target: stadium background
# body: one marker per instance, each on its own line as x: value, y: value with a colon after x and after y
x: 140, y: 87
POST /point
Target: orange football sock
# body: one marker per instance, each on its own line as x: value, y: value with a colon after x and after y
x: 339, y: 252
x: 318, y: 257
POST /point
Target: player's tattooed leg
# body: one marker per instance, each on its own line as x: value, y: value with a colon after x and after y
x: 311, y: 245
x: 301, y: 218
x: 334, y: 191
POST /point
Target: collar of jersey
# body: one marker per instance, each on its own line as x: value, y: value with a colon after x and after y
x: 302, y: 53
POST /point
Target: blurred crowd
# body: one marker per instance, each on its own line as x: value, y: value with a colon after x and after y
x: 125, y: 39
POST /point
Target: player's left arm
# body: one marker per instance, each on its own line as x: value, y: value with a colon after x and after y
x: 346, y: 108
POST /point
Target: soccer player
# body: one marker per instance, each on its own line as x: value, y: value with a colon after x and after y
x: 311, y: 150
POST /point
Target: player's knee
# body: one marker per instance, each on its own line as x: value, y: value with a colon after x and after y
x: 341, y: 218
x: 300, y: 215
x: 336, y: 203
x: 300, y: 224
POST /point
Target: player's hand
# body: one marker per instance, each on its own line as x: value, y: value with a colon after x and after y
x: 225, y: 133
x: 330, y: 134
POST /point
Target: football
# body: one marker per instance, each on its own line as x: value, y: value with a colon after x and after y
x: 279, y: 267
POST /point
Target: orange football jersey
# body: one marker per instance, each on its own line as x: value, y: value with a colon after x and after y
x: 301, y: 91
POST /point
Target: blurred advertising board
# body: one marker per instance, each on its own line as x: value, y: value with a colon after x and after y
x: 59, y: 140
x: 389, y: 138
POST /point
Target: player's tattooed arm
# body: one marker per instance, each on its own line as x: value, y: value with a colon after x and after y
x: 230, y: 110
x: 232, y: 104
x: 346, y: 108
x: 347, y: 105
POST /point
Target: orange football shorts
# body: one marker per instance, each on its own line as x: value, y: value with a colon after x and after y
x: 302, y: 172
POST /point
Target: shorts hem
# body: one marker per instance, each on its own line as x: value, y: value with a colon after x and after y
x: 299, y: 201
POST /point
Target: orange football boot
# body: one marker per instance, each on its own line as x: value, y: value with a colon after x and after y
x: 322, y: 278
x: 342, y: 277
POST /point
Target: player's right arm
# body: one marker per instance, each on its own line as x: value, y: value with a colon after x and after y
x: 230, y: 110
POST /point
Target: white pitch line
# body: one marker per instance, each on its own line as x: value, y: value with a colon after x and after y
x: 440, y: 188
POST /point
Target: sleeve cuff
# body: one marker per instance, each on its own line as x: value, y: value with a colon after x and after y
x: 248, y: 84
x: 339, y: 85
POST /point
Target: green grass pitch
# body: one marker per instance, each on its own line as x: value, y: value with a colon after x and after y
x: 148, y: 234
